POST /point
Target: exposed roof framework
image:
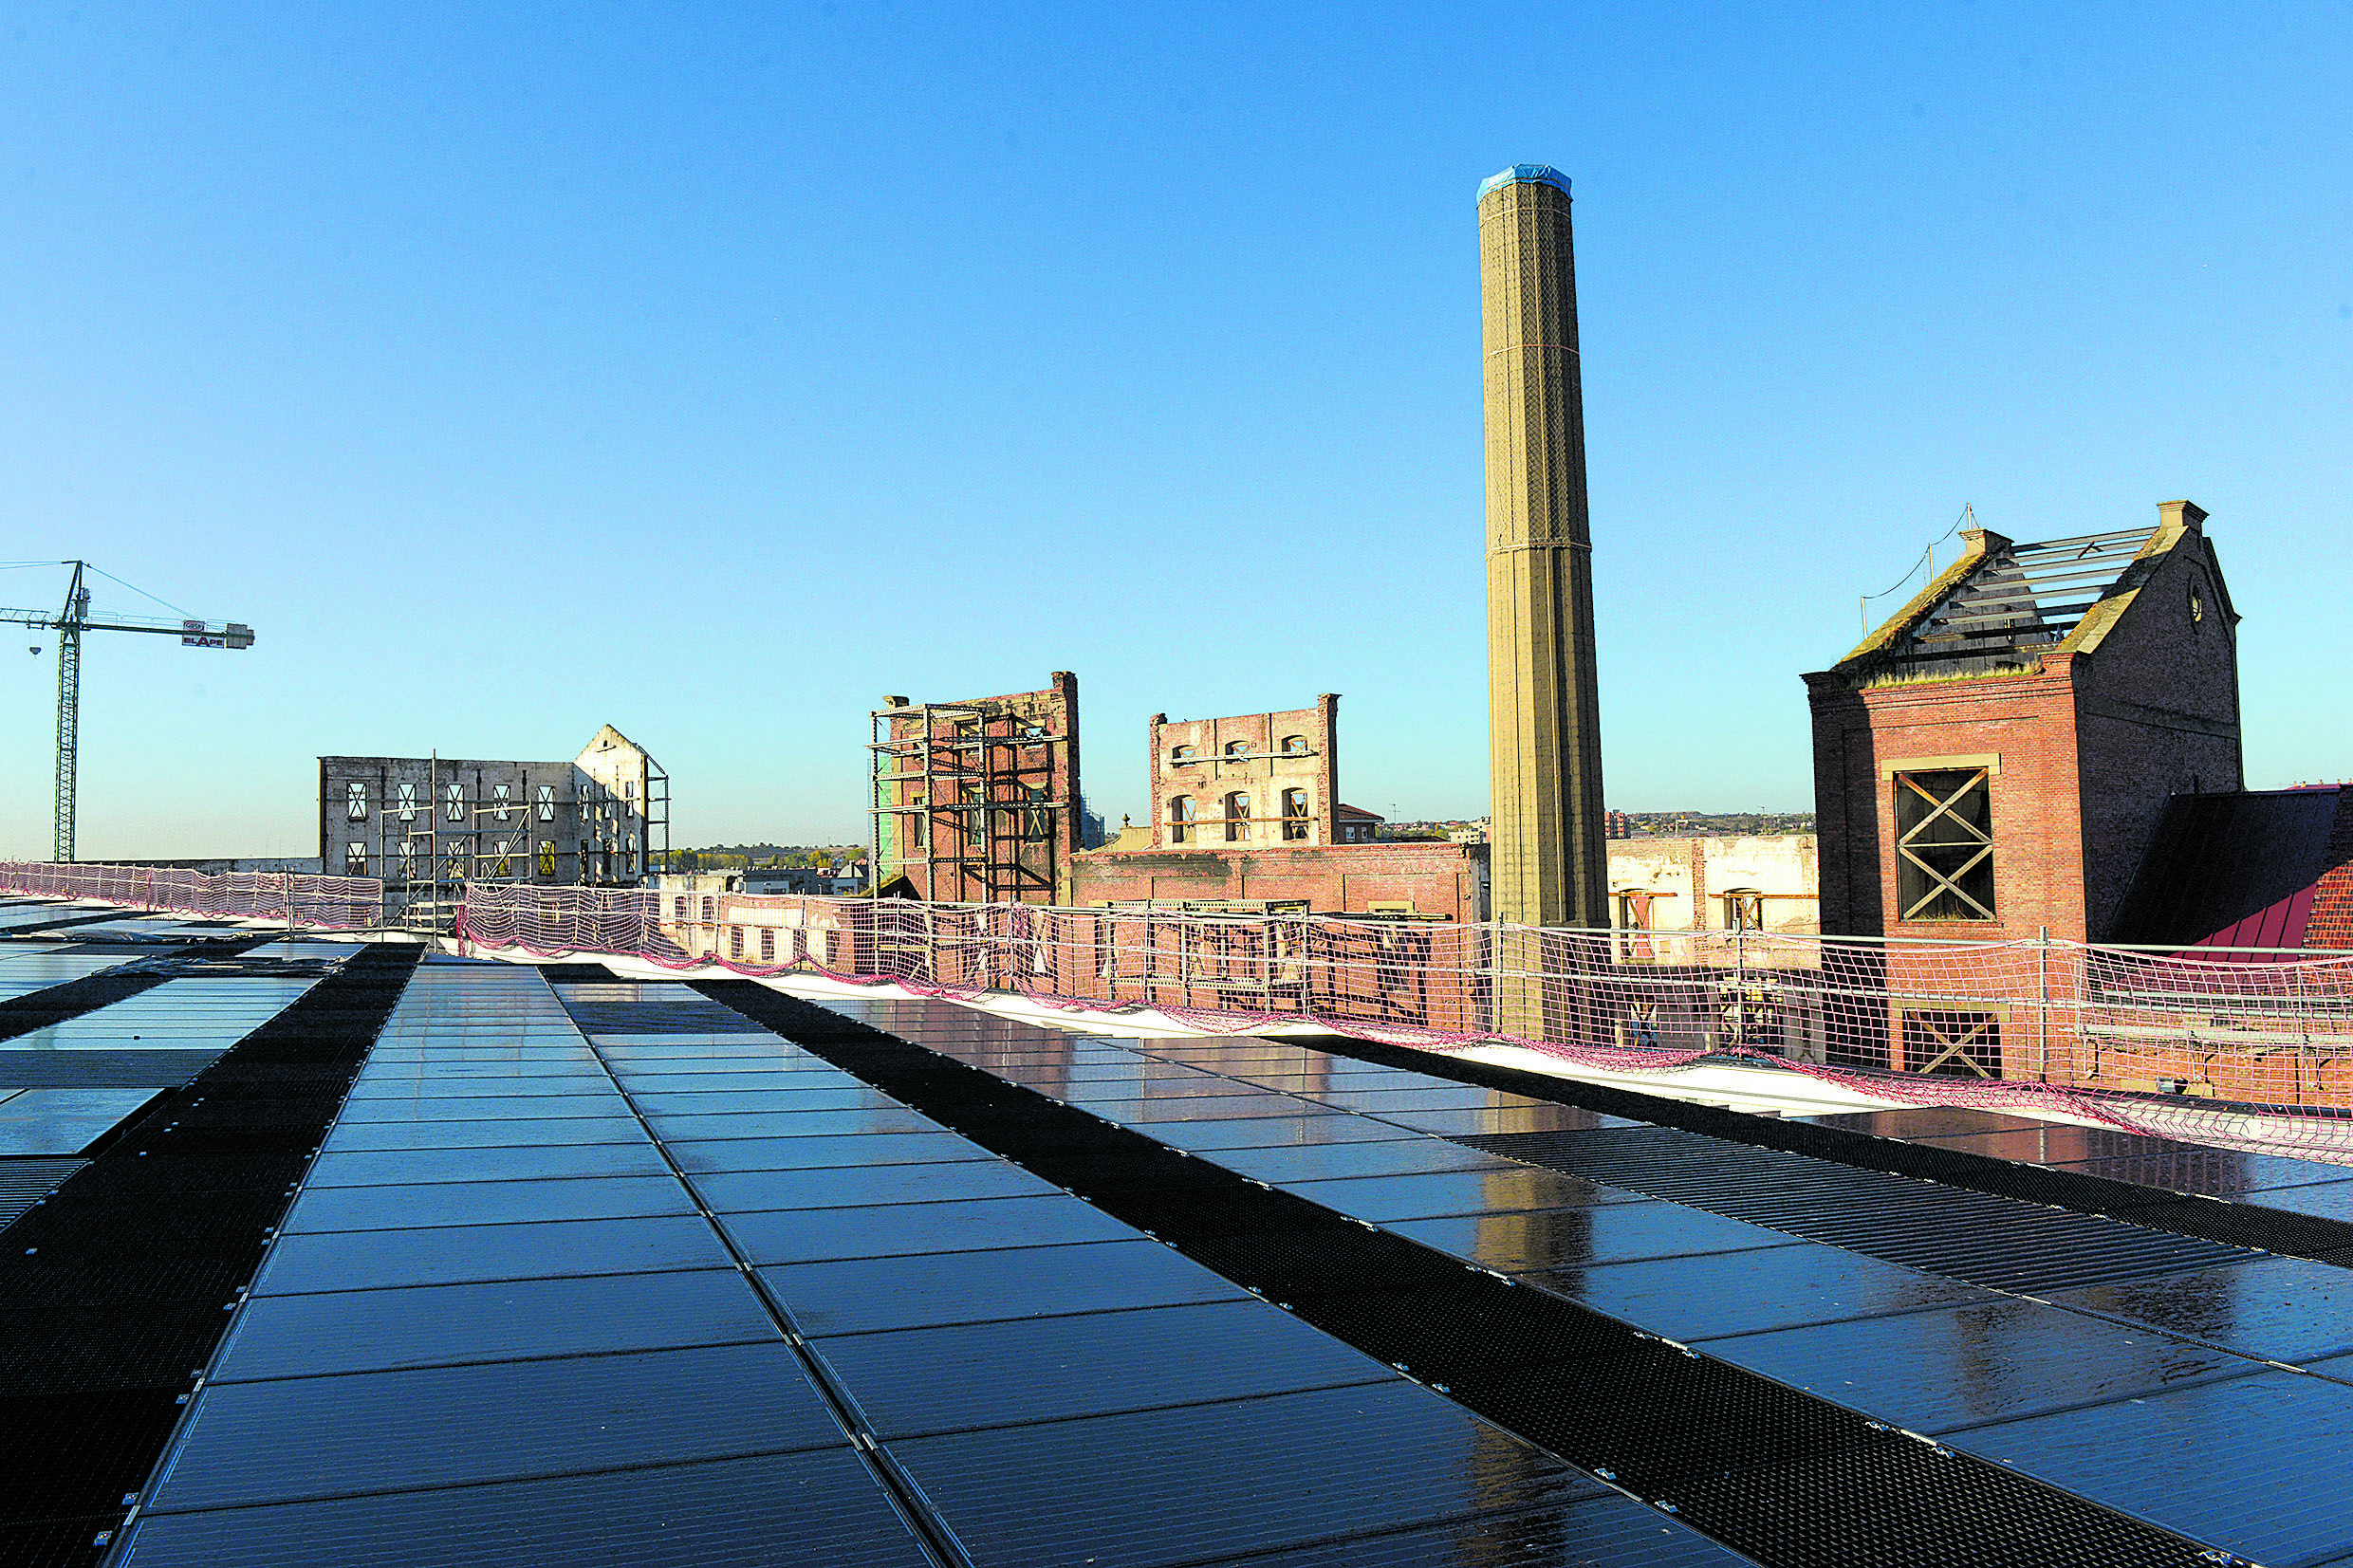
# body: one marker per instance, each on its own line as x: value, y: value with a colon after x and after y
x: 2021, y: 601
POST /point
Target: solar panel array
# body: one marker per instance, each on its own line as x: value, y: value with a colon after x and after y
x: 2108, y: 1388
x: 606, y: 1271
x: 541, y: 1288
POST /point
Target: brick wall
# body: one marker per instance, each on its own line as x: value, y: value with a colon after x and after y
x: 2331, y: 925
x: 1441, y: 879
x: 2140, y: 704
x: 2027, y: 722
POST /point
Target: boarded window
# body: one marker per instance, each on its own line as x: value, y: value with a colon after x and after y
x: 1944, y: 845
x: 1295, y: 816
x: 1955, y: 1045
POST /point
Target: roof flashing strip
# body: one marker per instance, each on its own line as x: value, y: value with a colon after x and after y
x: 1525, y: 174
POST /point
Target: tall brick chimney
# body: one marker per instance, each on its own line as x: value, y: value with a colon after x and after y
x: 1549, y: 865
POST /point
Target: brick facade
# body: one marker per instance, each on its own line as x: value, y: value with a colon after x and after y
x: 2083, y: 740
x: 1260, y: 761
x: 1441, y: 881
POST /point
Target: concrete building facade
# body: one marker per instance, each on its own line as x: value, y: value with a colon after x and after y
x: 1550, y: 866
x: 1995, y: 760
x: 1768, y: 882
x: 427, y: 825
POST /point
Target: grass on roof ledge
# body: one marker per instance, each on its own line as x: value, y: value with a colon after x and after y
x: 2000, y: 672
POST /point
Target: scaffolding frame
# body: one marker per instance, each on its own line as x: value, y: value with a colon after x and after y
x: 453, y: 856
x: 985, y: 786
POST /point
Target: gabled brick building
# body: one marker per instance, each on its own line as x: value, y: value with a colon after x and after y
x: 1995, y: 760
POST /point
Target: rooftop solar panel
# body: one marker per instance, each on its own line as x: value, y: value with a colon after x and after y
x: 815, y: 1509
x: 461, y: 1424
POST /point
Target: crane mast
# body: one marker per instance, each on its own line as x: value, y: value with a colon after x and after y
x: 69, y: 625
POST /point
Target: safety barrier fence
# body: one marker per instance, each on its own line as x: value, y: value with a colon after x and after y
x: 343, y: 903
x: 2138, y: 1040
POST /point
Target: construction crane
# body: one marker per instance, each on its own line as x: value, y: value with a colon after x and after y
x: 69, y: 623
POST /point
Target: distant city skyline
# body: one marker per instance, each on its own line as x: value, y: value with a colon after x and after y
x: 711, y: 373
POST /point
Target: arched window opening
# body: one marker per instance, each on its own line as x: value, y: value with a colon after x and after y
x: 1236, y: 751
x: 1294, y: 745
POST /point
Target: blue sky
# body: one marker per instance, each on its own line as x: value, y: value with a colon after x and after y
x: 712, y: 371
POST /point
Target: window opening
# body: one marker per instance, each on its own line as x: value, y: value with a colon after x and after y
x: 547, y: 857
x: 354, y: 860
x: 1744, y: 910
x: 1952, y: 1044
x: 547, y: 802
x: 1633, y: 909
x: 1237, y: 749
x: 498, y: 793
x: 408, y: 802
x: 767, y: 944
x: 355, y: 801
x: 1294, y: 815
x: 1182, y: 754
x: 1237, y: 817
x: 1944, y: 845
x: 455, y: 796
x: 1294, y: 745
x: 1180, y: 819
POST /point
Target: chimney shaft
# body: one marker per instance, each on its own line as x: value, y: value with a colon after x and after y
x: 1549, y: 864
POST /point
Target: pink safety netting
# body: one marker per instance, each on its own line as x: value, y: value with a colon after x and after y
x: 2138, y: 1041
x: 345, y: 903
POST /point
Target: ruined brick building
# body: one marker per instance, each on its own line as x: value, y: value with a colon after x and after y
x: 977, y: 800
x: 1993, y: 761
x: 2046, y: 739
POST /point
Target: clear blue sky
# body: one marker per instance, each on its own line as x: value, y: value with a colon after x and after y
x: 713, y: 370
